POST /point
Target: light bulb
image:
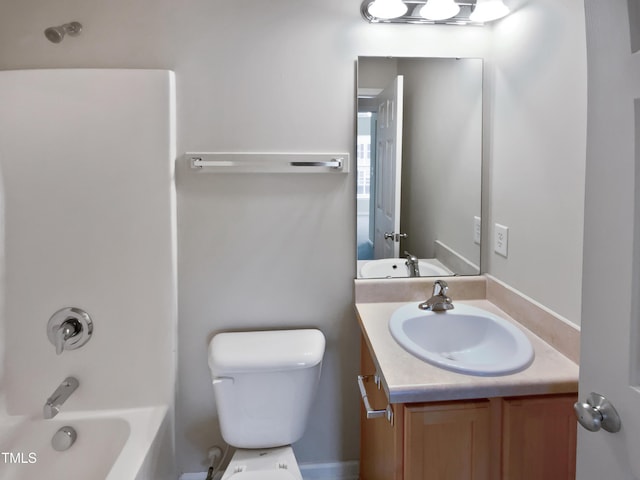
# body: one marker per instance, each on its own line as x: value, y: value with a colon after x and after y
x: 439, y: 9
x: 386, y: 9
x: 488, y: 10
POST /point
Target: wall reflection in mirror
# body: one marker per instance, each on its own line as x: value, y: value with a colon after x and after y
x: 419, y: 151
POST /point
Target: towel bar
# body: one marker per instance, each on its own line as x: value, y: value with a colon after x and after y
x: 219, y: 162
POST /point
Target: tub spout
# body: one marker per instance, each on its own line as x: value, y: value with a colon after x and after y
x: 57, y: 398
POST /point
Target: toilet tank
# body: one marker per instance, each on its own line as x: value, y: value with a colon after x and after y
x: 264, y: 384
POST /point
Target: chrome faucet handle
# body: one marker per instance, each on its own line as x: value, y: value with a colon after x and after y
x: 439, y: 301
x: 67, y: 330
x: 440, y: 287
x: 410, y: 257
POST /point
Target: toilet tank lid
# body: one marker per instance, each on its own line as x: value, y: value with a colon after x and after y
x: 235, y: 352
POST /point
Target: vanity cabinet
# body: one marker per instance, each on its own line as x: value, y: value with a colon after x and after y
x: 447, y: 440
x: 539, y: 437
x: 381, y: 441
x: 517, y: 438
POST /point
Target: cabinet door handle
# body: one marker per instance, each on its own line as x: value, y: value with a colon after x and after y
x: 371, y: 413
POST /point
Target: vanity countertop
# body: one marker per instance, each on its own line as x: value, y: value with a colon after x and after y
x: 407, y: 379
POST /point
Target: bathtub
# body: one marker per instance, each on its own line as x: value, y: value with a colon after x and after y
x: 131, y: 444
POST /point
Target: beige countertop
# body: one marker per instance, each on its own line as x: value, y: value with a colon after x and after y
x: 407, y: 379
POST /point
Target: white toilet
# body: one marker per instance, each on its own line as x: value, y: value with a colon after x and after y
x: 264, y: 384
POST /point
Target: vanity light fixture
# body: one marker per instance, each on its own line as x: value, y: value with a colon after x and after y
x: 386, y: 9
x: 446, y: 12
x: 439, y: 9
x: 488, y: 10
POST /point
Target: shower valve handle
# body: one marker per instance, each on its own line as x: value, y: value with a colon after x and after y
x: 69, y: 329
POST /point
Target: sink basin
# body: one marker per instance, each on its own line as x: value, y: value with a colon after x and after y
x: 395, y: 267
x: 466, y: 339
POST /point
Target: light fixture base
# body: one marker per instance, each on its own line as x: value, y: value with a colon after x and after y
x: 413, y: 16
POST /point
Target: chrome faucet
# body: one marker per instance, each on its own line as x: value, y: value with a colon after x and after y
x: 57, y: 398
x: 412, y: 264
x: 439, y: 302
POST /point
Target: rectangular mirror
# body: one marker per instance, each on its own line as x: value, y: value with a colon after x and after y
x: 419, y: 164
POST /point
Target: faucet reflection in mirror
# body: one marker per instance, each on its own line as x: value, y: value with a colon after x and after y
x: 419, y: 163
x: 465, y: 12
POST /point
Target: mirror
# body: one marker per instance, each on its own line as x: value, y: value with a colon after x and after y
x: 419, y: 161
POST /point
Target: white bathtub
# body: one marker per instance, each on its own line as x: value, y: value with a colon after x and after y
x: 111, y: 445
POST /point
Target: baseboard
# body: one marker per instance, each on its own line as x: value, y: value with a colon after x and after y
x: 310, y: 471
x: 330, y: 471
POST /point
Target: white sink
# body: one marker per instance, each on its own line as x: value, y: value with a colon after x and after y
x: 466, y: 339
x: 396, y: 267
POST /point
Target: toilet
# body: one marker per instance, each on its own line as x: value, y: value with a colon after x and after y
x: 264, y: 384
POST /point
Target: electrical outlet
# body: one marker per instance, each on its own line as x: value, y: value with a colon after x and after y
x: 477, y: 230
x: 501, y: 240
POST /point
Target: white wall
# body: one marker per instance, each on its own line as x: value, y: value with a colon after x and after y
x: 376, y: 72
x: 536, y: 150
x: 442, y: 157
x: 274, y: 250
x: 280, y: 250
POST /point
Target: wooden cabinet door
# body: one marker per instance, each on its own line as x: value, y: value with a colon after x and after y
x: 380, y: 441
x: 448, y: 441
x: 539, y: 438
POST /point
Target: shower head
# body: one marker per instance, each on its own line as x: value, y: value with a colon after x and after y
x: 56, y: 34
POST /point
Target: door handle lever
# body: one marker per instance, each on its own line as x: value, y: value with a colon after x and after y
x: 394, y: 236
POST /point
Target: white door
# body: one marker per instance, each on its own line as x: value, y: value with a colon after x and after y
x: 610, y: 348
x: 388, y: 171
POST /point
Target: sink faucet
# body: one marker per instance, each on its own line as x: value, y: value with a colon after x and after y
x: 412, y: 264
x: 57, y: 398
x: 439, y: 302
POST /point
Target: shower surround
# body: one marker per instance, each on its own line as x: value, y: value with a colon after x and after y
x: 88, y: 204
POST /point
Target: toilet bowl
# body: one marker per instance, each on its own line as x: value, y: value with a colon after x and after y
x: 264, y: 385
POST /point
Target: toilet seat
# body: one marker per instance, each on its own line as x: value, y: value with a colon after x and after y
x: 279, y: 474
